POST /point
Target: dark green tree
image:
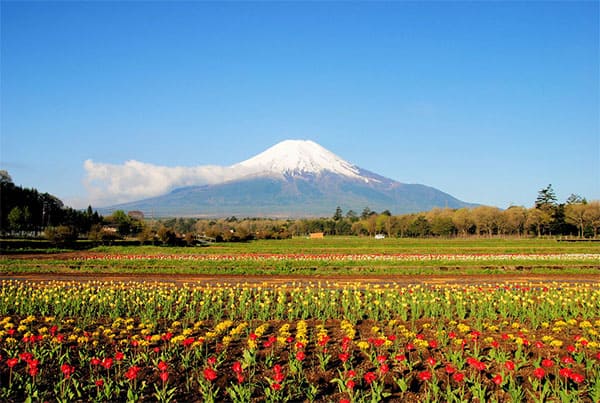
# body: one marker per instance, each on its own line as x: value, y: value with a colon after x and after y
x: 338, y: 215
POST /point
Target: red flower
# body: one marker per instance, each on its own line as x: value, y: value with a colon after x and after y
x: 425, y: 375
x: 107, y: 363
x: 164, y: 376
x: 276, y: 386
x: 237, y: 367
x: 566, y: 372
x: 370, y: 377
x: 162, y: 366
x: 350, y: 374
x: 433, y: 344
x: 95, y: 361
x: 209, y: 374
x: 458, y: 376
x: 450, y: 369
x: 350, y: 384
x: 33, y: 370
x: 497, y: 380
x: 577, y: 378
x: 132, y: 373
x: 571, y: 348
x: 211, y: 361
x: 119, y: 356
x: 431, y: 361
x: 547, y: 363
x: 279, y: 377
x: 99, y: 383
x: 539, y: 373
x: 384, y: 368
x: 452, y: 335
x: 300, y: 355
x: 381, y: 359
x: 344, y: 357
x: 567, y: 359
x: 539, y: 344
x: 11, y: 362
x: 509, y: 365
x: 67, y: 370
x: 344, y: 400
x: 402, y: 357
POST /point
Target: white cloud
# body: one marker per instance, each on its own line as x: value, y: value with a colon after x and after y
x: 109, y: 184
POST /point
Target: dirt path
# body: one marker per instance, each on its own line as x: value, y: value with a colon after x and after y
x: 259, y: 280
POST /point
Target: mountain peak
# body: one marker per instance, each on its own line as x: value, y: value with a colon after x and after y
x: 298, y: 157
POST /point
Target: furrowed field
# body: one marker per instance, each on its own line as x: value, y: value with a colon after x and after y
x: 334, y: 335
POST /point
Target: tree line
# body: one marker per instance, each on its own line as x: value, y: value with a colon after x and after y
x: 575, y: 217
x: 26, y: 212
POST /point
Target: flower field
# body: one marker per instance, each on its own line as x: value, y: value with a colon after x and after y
x: 139, y: 341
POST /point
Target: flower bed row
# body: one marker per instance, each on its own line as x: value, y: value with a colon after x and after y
x: 349, y: 257
x: 125, y: 359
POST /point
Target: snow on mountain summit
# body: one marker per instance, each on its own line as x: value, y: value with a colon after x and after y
x: 297, y: 157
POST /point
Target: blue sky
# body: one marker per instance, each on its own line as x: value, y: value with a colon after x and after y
x: 487, y: 101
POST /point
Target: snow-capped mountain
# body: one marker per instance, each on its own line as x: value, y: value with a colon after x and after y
x: 293, y: 178
x: 297, y: 158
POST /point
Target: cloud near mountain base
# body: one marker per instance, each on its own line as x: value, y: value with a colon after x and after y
x: 109, y: 184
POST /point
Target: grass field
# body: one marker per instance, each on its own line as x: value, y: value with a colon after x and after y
x: 331, y: 256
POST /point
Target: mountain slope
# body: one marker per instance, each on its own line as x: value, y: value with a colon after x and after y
x: 294, y: 179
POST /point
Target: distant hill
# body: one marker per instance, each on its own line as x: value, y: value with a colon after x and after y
x: 294, y: 178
